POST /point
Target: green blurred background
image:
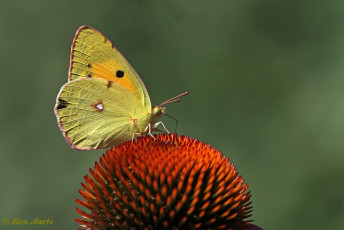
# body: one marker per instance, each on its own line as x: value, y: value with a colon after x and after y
x: 266, y: 82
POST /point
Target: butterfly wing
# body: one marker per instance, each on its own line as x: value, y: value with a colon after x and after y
x: 94, y: 56
x: 95, y: 113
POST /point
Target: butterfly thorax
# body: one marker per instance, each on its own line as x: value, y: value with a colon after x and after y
x: 141, y: 124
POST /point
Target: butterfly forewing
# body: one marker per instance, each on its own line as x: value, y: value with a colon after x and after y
x: 94, y: 56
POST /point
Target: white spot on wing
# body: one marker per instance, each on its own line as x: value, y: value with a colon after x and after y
x: 100, y: 106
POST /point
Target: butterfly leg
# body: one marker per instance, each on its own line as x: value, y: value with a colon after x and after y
x: 154, y: 128
x: 150, y: 130
x: 162, y: 124
x: 134, y: 135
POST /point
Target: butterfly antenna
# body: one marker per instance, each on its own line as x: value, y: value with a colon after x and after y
x: 175, y: 130
x: 174, y: 99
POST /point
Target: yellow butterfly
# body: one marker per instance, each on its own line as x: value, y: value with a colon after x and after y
x: 104, y: 102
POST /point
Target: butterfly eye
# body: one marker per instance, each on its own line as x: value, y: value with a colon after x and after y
x: 89, y: 65
x: 119, y: 73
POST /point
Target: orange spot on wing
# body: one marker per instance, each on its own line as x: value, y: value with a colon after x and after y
x: 99, y: 71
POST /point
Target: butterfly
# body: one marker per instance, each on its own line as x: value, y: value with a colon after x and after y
x: 104, y: 102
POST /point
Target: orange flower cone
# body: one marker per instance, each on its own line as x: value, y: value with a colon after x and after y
x: 172, y: 182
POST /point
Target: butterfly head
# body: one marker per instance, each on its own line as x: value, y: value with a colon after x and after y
x: 158, y: 111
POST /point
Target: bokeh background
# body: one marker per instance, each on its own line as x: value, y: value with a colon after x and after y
x: 266, y: 82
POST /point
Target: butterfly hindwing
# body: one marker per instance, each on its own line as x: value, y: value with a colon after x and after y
x: 95, y: 113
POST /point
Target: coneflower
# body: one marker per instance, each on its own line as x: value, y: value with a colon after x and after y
x: 172, y: 182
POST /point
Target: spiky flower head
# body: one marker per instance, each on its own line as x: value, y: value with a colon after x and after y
x: 172, y: 182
